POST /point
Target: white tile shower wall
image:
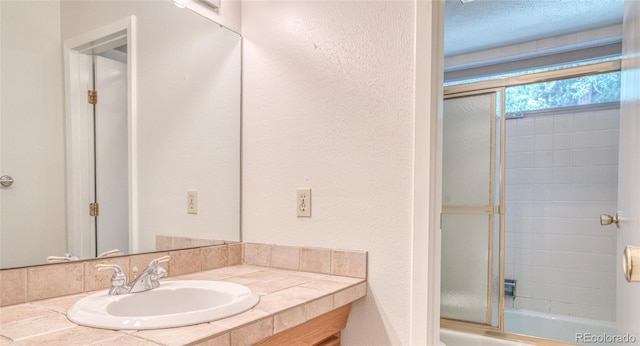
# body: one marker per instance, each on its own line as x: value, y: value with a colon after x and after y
x: 561, y: 175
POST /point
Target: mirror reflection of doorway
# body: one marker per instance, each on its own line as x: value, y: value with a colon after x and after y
x: 100, y: 111
x: 109, y: 171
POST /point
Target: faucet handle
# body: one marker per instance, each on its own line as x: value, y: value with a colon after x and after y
x: 118, y: 278
x: 116, y: 268
x: 55, y: 259
x: 159, y: 260
x: 109, y: 253
x: 67, y: 257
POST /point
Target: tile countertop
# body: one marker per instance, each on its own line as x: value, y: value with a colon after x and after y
x: 287, y: 298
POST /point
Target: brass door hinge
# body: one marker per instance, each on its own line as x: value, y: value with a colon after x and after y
x: 94, y: 209
x: 93, y: 97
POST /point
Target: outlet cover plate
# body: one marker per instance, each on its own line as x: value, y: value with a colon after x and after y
x: 303, y: 202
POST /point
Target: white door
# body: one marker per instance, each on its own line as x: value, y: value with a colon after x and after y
x: 32, y: 133
x: 628, y: 294
x: 111, y: 159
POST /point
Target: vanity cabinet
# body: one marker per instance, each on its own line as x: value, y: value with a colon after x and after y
x: 323, y: 330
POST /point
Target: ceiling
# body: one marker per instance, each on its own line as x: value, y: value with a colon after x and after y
x: 487, y: 24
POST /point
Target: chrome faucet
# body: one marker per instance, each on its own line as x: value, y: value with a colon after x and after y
x: 147, y: 280
x: 118, y: 280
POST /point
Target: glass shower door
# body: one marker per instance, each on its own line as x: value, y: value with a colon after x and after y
x: 469, y: 209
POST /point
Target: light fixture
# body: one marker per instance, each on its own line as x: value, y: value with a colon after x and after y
x: 178, y: 4
x: 212, y: 3
x: 215, y: 4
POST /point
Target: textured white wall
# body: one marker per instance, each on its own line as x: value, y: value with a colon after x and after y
x: 327, y: 104
x: 32, y: 133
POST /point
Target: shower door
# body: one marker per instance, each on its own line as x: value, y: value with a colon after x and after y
x: 470, y: 212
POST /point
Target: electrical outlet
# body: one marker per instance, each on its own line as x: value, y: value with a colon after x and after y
x: 192, y: 201
x: 303, y: 202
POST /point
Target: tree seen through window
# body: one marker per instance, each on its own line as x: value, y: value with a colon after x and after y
x: 592, y: 89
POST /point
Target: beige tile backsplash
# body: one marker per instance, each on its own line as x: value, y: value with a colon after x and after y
x: 285, y: 257
x: 55, y: 280
x: 257, y: 254
x: 315, y: 260
x: 236, y: 253
x: 185, y: 261
x: 13, y: 286
x: 41, y: 282
x: 214, y: 257
x: 349, y: 263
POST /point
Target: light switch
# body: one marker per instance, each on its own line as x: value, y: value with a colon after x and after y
x: 192, y: 201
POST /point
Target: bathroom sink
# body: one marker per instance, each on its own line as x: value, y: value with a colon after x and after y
x: 173, y: 304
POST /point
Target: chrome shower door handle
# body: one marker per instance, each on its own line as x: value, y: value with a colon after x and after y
x: 6, y: 181
x: 606, y: 219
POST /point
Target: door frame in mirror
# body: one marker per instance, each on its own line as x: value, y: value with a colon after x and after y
x: 80, y: 240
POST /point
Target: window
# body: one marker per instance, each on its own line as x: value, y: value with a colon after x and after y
x: 594, y: 89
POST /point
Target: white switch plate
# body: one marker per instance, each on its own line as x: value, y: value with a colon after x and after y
x: 303, y: 202
x: 192, y: 201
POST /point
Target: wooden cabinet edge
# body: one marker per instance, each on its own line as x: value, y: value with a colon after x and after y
x: 323, y: 330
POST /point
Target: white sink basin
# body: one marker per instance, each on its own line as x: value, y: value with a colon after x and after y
x: 173, y: 304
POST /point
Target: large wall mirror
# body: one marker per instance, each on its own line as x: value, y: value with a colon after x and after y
x: 160, y: 151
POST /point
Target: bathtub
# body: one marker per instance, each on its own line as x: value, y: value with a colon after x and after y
x: 454, y: 338
x: 555, y: 327
x: 532, y: 323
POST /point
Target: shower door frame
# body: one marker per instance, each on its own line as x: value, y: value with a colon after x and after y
x: 491, y: 209
x: 489, y: 86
